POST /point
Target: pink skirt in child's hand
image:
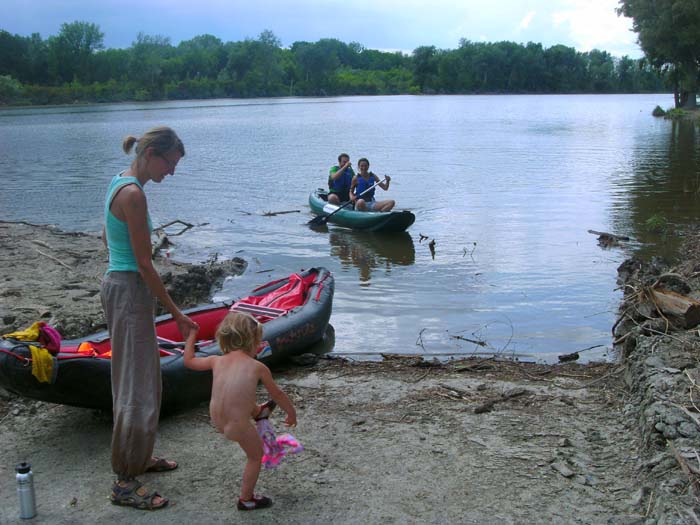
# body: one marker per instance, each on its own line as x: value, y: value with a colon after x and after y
x: 275, y: 448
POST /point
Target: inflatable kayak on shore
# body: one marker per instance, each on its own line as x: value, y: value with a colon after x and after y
x: 294, y: 311
x: 393, y: 221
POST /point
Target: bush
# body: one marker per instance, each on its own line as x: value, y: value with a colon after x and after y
x: 10, y: 90
x: 675, y: 113
x: 658, y: 112
x: 657, y: 223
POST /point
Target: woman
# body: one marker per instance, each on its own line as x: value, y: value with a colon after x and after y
x: 361, y: 183
x: 128, y: 291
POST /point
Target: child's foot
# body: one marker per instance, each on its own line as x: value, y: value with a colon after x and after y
x: 265, y: 410
x: 258, y: 502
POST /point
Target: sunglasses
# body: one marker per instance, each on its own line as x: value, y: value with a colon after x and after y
x: 170, y: 163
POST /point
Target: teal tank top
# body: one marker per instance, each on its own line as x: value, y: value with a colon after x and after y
x: 121, y: 256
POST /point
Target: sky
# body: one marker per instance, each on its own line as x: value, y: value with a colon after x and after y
x: 392, y: 25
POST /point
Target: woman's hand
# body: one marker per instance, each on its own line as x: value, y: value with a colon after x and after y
x: 185, y: 325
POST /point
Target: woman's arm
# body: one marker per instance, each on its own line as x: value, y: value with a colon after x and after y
x: 278, y: 395
x: 133, y: 204
x: 383, y: 184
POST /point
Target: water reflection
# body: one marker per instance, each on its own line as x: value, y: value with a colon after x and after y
x: 371, y: 251
x: 664, y: 190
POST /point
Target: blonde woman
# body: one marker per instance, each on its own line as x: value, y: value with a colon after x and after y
x: 128, y: 294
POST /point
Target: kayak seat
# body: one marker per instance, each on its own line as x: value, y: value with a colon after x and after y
x: 261, y: 313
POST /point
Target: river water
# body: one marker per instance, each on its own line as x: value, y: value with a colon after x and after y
x: 507, y: 186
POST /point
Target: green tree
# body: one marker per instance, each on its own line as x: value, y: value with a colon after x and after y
x: 669, y: 33
x: 111, y: 64
x: 70, y: 53
x: 601, y: 71
x: 317, y: 63
x: 147, y: 64
x: 566, y: 70
x: 256, y: 67
x: 202, y: 56
x: 425, y: 67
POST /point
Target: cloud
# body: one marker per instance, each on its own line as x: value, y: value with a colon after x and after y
x: 594, y: 24
x: 525, y: 22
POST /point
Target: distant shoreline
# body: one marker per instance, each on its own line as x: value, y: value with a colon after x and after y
x: 78, y: 104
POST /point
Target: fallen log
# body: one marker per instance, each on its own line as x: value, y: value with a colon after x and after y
x: 610, y: 236
x: 162, y: 241
x: 607, y: 240
x: 683, y: 308
x: 274, y: 213
x: 573, y: 356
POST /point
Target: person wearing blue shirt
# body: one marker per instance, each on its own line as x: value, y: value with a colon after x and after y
x: 363, y: 181
x: 339, y: 180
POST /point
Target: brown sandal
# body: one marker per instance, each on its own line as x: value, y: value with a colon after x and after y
x: 135, y: 495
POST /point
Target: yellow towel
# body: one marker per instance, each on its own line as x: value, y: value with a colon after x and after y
x: 42, y: 364
x: 29, y: 334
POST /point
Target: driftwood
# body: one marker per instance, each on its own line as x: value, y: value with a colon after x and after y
x: 679, y: 306
x: 475, y: 341
x: 186, y: 227
x: 573, y: 356
x: 431, y: 246
x: 273, y: 213
x: 44, y: 254
x: 606, y: 239
x: 162, y: 240
x: 487, y: 405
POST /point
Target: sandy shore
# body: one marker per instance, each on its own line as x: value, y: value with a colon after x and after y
x: 400, y: 441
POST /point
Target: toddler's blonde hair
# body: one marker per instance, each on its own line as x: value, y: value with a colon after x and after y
x: 238, y: 331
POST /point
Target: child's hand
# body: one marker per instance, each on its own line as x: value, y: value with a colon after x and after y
x: 291, y: 420
x: 192, y: 335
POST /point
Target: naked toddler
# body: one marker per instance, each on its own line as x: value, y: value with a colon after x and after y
x: 233, y: 406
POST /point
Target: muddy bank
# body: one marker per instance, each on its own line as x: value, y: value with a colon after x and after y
x: 401, y: 441
x: 55, y: 276
x: 661, y: 354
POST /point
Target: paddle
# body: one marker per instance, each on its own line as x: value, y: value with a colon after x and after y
x: 323, y: 219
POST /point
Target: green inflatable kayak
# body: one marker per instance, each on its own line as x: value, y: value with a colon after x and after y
x: 393, y: 221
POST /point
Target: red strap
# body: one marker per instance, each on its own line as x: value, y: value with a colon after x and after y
x: 21, y: 358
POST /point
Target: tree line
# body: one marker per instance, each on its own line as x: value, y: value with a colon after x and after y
x: 74, y: 66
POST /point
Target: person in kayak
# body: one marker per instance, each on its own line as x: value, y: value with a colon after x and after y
x: 339, y: 180
x: 128, y: 292
x: 361, y: 182
x: 232, y: 407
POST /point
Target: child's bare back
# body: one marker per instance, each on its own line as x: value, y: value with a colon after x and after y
x: 232, y: 406
x: 236, y: 376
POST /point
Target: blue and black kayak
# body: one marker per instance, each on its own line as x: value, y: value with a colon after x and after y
x: 294, y: 311
x: 387, y: 222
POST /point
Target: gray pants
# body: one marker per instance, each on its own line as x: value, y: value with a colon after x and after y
x: 136, y: 383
